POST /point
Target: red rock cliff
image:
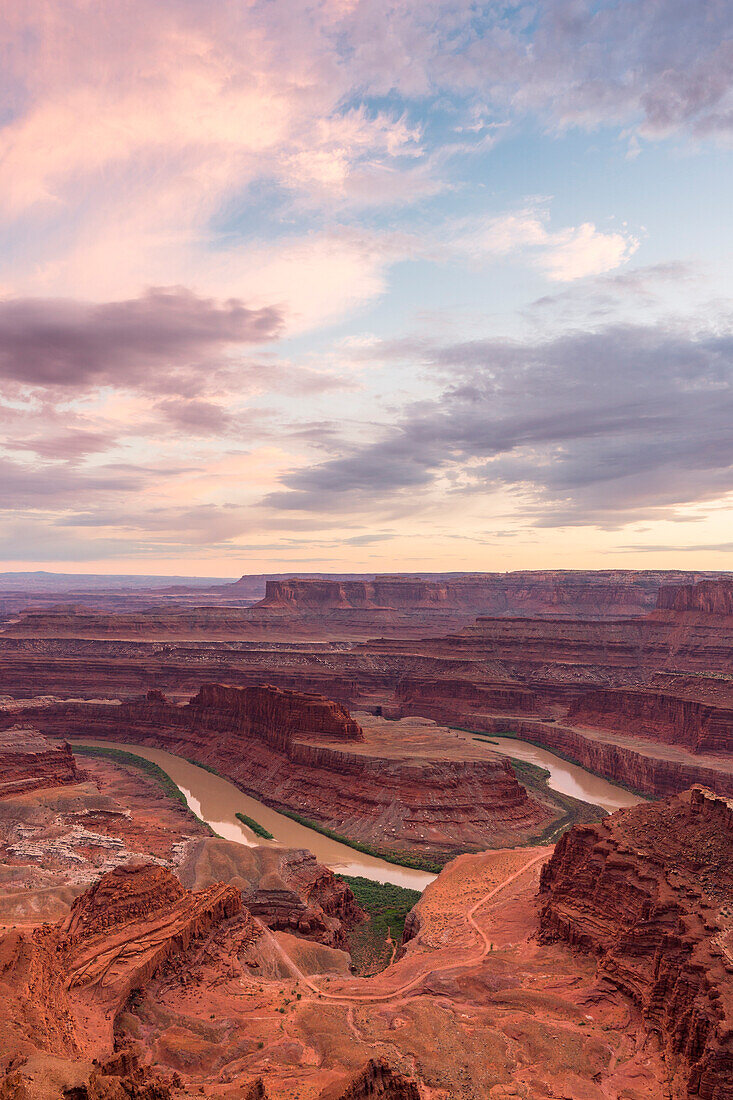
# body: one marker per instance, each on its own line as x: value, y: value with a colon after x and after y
x: 650, y: 891
x: 599, y: 593
x: 29, y: 762
x: 271, y: 713
x: 708, y: 597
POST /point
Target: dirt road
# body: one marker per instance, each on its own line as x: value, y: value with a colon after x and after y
x: 369, y: 998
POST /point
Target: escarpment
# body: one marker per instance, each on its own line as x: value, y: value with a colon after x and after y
x: 650, y: 891
x: 351, y: 605
x: 28, y: 762
x: 656, y: 715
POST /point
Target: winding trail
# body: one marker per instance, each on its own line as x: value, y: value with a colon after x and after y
x: 365, y: 998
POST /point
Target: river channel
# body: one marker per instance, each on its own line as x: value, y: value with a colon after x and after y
x: 217, y: 801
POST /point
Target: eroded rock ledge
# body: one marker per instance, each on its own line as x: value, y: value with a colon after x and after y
x: 650, y: 891
x: 29, y: 762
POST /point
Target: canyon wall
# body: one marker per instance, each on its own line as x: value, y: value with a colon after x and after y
x: 271, y: 713
x: 702, y: 727
x: 437, y: 806
x: 623, y: 760
x: 599, y: 593
x: 348, y: 606
x: 29, y: 762
x: 649, y: 890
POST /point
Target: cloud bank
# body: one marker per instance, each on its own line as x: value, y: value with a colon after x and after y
x: 603, y: 428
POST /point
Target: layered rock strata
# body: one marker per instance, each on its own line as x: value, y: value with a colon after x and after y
x: 28, y: 762
x: 250, y: 736
x: 63, y: 985
x: 352, y: 605
x: 650, y: 891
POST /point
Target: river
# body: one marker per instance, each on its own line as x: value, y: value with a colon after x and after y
x: 217, y: 801
x: 565, y: 777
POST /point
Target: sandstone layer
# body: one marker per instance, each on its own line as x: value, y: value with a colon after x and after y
x: 249, y: 735
x: 650, y: 891
x: 28, y: 761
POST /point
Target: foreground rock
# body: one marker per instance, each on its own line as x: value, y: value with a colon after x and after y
x: 64, y: 985
x: 650, y: 891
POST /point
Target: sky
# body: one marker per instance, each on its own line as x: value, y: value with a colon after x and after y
x: 351, y: 285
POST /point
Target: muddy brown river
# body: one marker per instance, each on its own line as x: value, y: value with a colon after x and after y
x: 565, y: 777
x: 217, y: 801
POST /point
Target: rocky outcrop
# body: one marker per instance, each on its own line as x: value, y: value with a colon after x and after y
x: 275, y: 715
x: 377, y: 1078
x: 650, y: 891
x: 29, y: 762
x: 66, y: 982
x: 129, y: 925
x: 294, y: 893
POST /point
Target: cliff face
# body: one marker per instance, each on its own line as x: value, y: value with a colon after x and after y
x: 271, y: 713
x: 598, y: 593
x: 347, y: 606
x: 63, y: 985
x: 29, y: 762
x: 708, y: 597
x: 701, y: 727
x: 650, y: 891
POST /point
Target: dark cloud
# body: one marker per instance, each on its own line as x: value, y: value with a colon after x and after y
x: 71, y: 445
x: 599, y: 428
x: 62, y: 485
x: 167, y: 339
